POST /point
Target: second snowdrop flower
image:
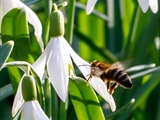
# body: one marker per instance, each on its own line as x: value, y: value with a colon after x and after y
x: 7, y: 5
x: 30, y: 109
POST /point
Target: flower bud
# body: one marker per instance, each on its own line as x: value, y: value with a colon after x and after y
x: 29, y: 91
x: 56, y: 22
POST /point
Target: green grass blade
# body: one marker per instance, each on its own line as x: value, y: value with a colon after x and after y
x: 6, y: 91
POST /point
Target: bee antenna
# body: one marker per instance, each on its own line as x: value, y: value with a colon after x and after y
x: 83, y: 65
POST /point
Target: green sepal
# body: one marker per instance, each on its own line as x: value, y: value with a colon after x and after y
x: 56, y: 22
x: 29, y: 91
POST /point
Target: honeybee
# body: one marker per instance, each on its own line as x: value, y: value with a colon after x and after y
x: 111, y: 74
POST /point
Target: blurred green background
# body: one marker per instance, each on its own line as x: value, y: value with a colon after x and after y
x: 117, y: 30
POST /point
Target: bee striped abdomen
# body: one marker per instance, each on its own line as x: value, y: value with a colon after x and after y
x: 120, y: 77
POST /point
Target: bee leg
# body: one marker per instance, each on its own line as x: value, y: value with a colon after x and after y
x: 108, y: 85
x: 90, y: 77
x: 114, y: 86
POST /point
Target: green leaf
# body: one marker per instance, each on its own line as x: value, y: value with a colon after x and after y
x: 84, y: 100
x: 119, y: 111
x: 145, y: 72
x: 15, y: 27
x: 5, y: 51
x: 141, y: 95
x: 140, y: 67
x: 6, y: 91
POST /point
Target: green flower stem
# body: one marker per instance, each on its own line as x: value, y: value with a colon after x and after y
x: 63, y: 110
x: 70, y: 21
x: 48, y: 8
x: 46, y: 33
x: 54, y: 104
x: 47, y: 94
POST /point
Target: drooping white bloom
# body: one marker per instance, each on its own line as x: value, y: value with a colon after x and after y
x: 145, y: 4
x: 57, y: 56
x: 31, y: 110
x: 7, y: 5
x: 90, y: 6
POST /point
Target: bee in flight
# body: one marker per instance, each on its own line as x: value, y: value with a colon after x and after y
x: 111, y: 74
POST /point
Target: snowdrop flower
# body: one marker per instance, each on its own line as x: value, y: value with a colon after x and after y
x: 57, y: 56
x: 144, y: 4
x: 7, y: 5
x: 31, y: 110
x: 90, y: 6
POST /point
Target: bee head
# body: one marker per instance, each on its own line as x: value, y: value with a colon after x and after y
x: 94, y: 63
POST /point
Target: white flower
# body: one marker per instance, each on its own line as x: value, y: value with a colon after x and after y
x: 144, y: 4
x: 31, y: 110
x: 90, y: 6
x: 57, y: 56
x: 7, y: 5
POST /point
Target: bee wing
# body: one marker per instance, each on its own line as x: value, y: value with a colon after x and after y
x: 118, y: 65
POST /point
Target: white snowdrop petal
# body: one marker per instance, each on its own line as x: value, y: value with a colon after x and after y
x: 101, y: 89
x: 58, y: 68
x: 144, y: 4
x: 18, y: 100
x: 66, y: 49
x: 81, y: 64
x: 17, y: 115
x: 90, y: 6
x: 153, y: 5
x: 28, y: 112
x: 39, y: 64
x: 33, y: 111
x: 40, y: 115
